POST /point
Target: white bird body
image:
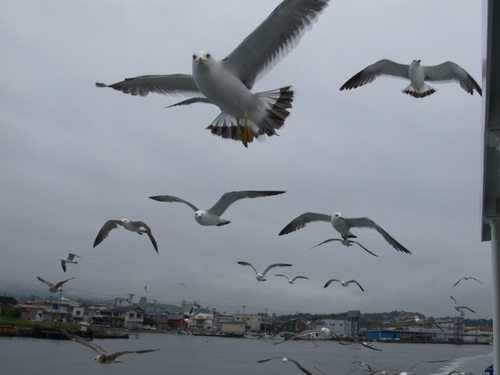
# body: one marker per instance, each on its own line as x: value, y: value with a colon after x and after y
x: 467, y: 278
x: 261, y: 276
x: 344, y: 283
x: 292, y: 281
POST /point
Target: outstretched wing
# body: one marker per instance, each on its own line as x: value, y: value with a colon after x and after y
x: 48, y: 283
x: 301, y: 221
x: 381, y: 67
x: 449, y: 71
x: 248, y: 264
x: 355, y: 282
x: 229, y: 198
x: 275, y: 265
x: 365, y: 222
x: 300, y: 277
x: 104, y: 232
x: 79, y: 340
x: 330, y: 281
x: 273, y: 39
x: 279, y: 274
x: 171, y: 198
x: 148, y: 232
x: 171, y: 84
x: 60, y: 283
x: 117, y: 354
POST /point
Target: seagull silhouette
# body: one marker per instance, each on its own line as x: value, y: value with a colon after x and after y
x: 102, y: 356
x: 69, y: 259
x: 345, y: 242
x: 461, y: 308
x: 212, y: 215
x: 286, y: 360
x: 344, y: 283
x: 467, y: 278
x: 291, y: 281
x: 342, y: 225
x: 139, y: 227
x: 261, y: 276
x: 51, y: 287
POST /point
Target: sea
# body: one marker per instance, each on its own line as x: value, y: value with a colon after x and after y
x: 187, y: 354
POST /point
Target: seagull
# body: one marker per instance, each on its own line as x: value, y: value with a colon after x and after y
x: 467, y: 278
x: 344, y: 283
x: 346, y: 242
x: 69, y: 259
x: 212, y: 215
x: 139, y: 227
x: 368, y: 367
x: 227, y: 82
x: 343, y: 225
x: 461, y: 308
x: 417, y: 74
x: 460, y: 373
x: 193, y: 311
x: 368, y: 345
x: 286, y: 360
x: 102, y: 356
x: 291, y: 281
x: 51, y: 287
x: 397, y: 372
x: 260, y: 276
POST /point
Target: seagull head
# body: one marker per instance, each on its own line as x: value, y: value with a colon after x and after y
x: 285, y: 359
x: 338, y: 216
x: 260, y: 277
x: 99, y: 358
x: 416, y: 62
x: 198, y: 215
x: 200, y: 58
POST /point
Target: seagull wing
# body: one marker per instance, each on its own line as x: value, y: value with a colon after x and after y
x: 303, y: 369
x: 300, y: 277
x: 228, y: 198
x: 49, y: 284
x: 364, y: 248
x: 415, y: 365
x: 268, y: 359
x: 449, y: 71
x: 104, y: 232
x: 63, y: 264
x: 473, y: 278
x: 275, y: 265
x: 72, y: 256
x: 278, y: 274
x: 355, y: 282
x: 381, y: 67
x: 60, y: 283
x: 117, y: 354
x: 301, y: 221
x: 273, y: 39
x: 326, y: 241
x: 330, y: 281
x: 171, y: 84
x: 364, y: 222
x: 171, y: 198
x: 467, y: 308
x: 148, y: 232
x: 459, y: 281
x: 454, y: 300
x: 79, y: 340
x: 248, y: 264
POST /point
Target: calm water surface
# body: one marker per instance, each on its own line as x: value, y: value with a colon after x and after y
x: 184, y: 354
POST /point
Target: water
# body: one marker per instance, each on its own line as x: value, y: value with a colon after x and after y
x: 185, y: 354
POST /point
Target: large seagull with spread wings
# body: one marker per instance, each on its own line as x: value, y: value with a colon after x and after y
x: 227, y: 83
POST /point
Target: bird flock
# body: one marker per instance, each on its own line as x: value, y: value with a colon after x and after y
x: 247, y: 115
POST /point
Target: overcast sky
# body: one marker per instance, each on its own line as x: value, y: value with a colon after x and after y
x: 74, y: 156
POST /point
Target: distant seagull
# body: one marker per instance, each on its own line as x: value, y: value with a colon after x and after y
x: 342, y: 225
x: 193, y: 311
x: 212, y: 215
x: 139, y: 227
x: 467, y: 278
x: 286, y: 360
x: 460, y: 373
x: 368, y: 345
x: 407, y: 372
x: 260, y: 276
x: 418, y: 74
x: 460, y: 308
x: 102, y: 356
x: 146, y: 288
x: 69, y: 259
x: 362, y: 364
x: 344, y: 283
x: 53, y: 288
x: 345, y: 242
x: 227, y: 82
x: 291, y: 281
x: 181, y: 284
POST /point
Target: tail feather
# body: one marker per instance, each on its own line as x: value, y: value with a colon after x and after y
x: 277, y: 101
x: 426, y: 91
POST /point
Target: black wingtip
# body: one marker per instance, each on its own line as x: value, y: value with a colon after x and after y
x: 100, y: 84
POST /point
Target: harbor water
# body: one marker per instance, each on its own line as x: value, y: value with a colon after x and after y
x: 186, y: 354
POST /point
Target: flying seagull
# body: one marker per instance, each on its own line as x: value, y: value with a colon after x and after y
x: 134, y: 226
x: 343, y: 225
x: 227, y: 82
x: 397, y: 372
x: 346, y: 242
x: 69, y: 259
x: 291, y: 281
x: 51, y: 287
x: 260, y: 276
x: 102, y: 356
x: 417, y: 74
x: 344, y: 283
x: 461, y: 308
x: 467, y: 278
x: 286, y: 360
x: 212, y: 215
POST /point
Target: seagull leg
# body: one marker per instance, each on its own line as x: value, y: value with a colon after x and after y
x: 244, y: 132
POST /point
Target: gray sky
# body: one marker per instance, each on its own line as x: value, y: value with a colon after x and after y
x: 74, y: 156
